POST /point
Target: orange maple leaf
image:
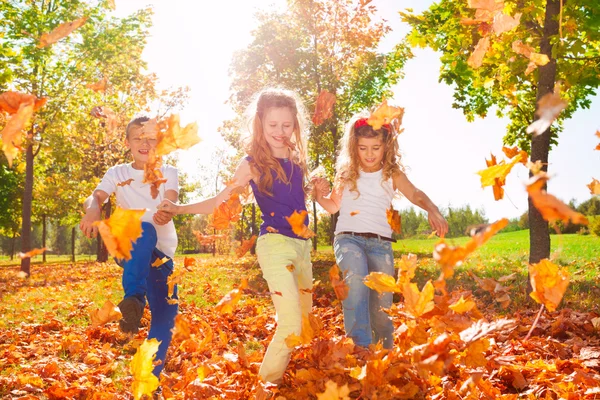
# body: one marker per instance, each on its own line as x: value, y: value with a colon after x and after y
x: 333, y: 392
x: 271, y: 229
x: 548, y: 109
x: 394, y: 220
x: 504, y: 23
x: 381, y: 282
x: 311, y: 325
x: 108, y: 313
x: 462, y: 305
x: 32, y: 253
x: 353, y: 213
x: 418, y: 302
x: 594, y: 186
x: 598, y: 146
x: 406, y: 268
x: 228, y: 302
x: 476, y: 58
x: 551, y: 208
x: 181, y: 330
x: 549, y: 283
x: 61, y: 31
x: 227, y: 212
x: 340, y: 287
x: 10, y: 101
x: 323, y: 107
x: 205, y: 240
x: 174, y: 137
x: 11, y: 134
x: 245, y: 246
x: 120, y: 231
x: 385, y: 114
x: 125, y: 183
x: 296, y: 221
x: 498, y: 182
x: 99, y: 86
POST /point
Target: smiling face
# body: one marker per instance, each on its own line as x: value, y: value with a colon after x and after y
x: 140, y: 144
x: 278, y: 127
x: 370, y: 153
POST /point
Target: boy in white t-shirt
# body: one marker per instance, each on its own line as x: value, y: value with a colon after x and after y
x: 140, y: 280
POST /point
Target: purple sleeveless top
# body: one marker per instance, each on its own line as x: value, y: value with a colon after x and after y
x: 286, y: 199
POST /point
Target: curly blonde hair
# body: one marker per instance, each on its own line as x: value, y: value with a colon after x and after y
x: 262, y: 161
x: 348, y: 163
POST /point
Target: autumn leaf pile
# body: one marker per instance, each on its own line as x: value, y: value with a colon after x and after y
x: 446, y: 347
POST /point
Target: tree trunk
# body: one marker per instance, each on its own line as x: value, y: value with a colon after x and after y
x: 539, y: 234
x: 27, y: 202
x: 12, y: 248
x: 73, y: 232
x: 101, y: 251
x: 44, y: 238
x: 253, y: 228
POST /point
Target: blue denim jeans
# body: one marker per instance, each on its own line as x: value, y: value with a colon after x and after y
x: 364, y: 320
x: 145, y: 282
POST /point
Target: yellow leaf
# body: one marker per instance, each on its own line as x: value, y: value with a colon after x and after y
x: 160, y: 261
x: 385, y: 114
x: 311, y: 325
x: 500, y: 171
x: 106, y: 314
x: 394, y: 220
x: 462, y: 306
x: 475, y: 353
x: 381, y: 282
x: 549, y: 283
x: 418, y: 302
x: 339, y: 285
x: 228, y: 302
x: 406, y: 268
x: 144, y: 381
x: 333, y: 392
x: 120, y: 231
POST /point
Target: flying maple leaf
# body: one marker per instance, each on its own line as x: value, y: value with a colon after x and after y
x: 476, y: 58
x: 381, y: 282
x: 323, y: 107
x: 160, y: 261
x: 111, y: 4
x: 549, y: 107
x: 333, y: 392
x: 498, y: 182
x: 594, y: 187
x: 120, y: 231
x: 418, y: 302
x: 551, y: 208
x: 61, y: 31
x: 108, y: 313
x: 598, y: 134
x: 296, y: 221
x: 206, y: 240
x: 99, y: 86
x: 494, y: 287
x: 174, y: 137
x: 32, y: 253
x: 181, y: 330
x: 311, y: 325
x: 125, y: 183
x: 394, y: 220
x: 10, y: 101
x: 144, y: 381
x: 462, y: 305
x: 227, y: 212
x: 406, y: 268
x: 385, y: 114
x: 245, y: 246
x: 340, y: 287
x: 549, y: 283
x: 228, y: 302
x: 505, y: 23
x: 495, y: 174
x: 11, y: 134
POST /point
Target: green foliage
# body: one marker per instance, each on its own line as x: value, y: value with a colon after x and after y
x: 11, y: 187
x: 590, y: 207
x: 594, y: 226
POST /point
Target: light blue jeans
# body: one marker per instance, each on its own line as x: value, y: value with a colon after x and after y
x: 364, y: 319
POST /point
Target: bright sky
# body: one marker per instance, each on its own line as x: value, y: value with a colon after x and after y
x: 192, y: 43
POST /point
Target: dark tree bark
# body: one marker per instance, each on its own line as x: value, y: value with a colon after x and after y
x: 27, y: 202
x: 539, y: 234
x: 73, y: 234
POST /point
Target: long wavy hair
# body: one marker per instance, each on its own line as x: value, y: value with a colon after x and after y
x: 348, y: 162
x: 263, y: 163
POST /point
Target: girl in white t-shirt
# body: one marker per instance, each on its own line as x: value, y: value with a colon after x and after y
x: 368, y: 173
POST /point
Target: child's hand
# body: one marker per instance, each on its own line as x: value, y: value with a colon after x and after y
x: 438, y: 223
x: 87, y: 222
x: 321, y: 187
x: 162, y: 217
x: 168, y: 206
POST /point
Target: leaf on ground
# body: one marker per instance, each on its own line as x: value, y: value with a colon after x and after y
x: 61, y: 31
x: 108, y: 313
x: 551, y: 208
x: 12, y: 138
x: 549, y: 283
x: 245, y: 246
x: 340, y: 287
x: 333, y: 392
x: 32, y: 253
x: 297, y: 222
x: 120, y: 231
x: 462, y: 305
x: 323, y: 107
x: 394, y: 220
x: 229, y: 301
x: 548, y: 109
x: 144, y: 381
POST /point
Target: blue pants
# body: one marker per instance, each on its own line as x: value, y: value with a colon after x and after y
x: 143, y: 281
x: 364, y: 320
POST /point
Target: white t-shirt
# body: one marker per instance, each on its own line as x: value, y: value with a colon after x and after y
x: 136, y: 195
x: 369, y: 208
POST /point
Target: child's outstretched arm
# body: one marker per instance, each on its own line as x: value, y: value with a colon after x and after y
x: 92, y: 206
x: 329, y: 201
x: 162, y: 217
x: 420, y: 199
x: 241, y: 178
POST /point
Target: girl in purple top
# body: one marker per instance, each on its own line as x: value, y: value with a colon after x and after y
x: 276, y: 170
